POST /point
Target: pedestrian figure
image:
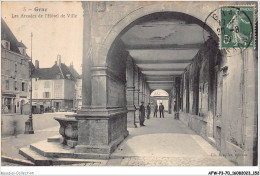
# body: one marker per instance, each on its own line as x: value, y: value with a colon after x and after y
x: 141, y: 114
x: 148, y: 109
x: 161, y: 109
x: 155, y: 110
x: 175, y: 110
x: 14, y: 123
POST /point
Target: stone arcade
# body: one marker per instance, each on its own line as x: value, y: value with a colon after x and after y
x: 216, y: 94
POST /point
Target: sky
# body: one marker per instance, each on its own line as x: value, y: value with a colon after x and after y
x: 55, y: 30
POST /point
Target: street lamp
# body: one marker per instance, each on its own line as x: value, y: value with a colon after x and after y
x: 29, y: 122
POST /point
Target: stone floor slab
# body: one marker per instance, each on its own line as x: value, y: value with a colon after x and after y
x: 167, y: 142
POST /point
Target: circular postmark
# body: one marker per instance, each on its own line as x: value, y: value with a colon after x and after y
x: 234, y: 28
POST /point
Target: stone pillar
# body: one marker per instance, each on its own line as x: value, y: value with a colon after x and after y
x: 130, y: 93
x: 12, y: 105
x: 136, y: 94
x: 103, y: 126
x: 170, y: 104
x: 148, y: 93
x: 144, y: 90
x: 177, y: 88
x: 144, y: 93
x: 87, y: 56
x: 250, y: 108
x: 102, y: 122
x: 140, y: 88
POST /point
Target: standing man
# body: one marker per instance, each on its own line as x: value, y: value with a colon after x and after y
x: 161, y: 109
x: 142, y: 114
x: 175, y: 109
x: 148, y: 109
x: 155, y: 110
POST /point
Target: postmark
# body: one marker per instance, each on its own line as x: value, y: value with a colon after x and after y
x: 226, y: 27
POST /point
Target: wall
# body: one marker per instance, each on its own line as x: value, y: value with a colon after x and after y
x: 69, y: 89
x: 39, y: 88
x: 116, y: 79
x: 78, y: 89
x: 21, y: 75
x: 218, y: 91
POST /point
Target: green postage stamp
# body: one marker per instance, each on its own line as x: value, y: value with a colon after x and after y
x: 237, y: 27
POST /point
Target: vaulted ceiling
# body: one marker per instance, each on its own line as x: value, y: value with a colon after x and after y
x: 163, y: 48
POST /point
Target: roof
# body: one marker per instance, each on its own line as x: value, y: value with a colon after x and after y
x: 51, y: 73
x: 7, y: 35
x: 74, y: 72
x: 20, y: 44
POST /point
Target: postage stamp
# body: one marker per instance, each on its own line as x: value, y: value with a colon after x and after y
x: 237, y: 27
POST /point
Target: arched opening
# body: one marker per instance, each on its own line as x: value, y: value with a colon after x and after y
x: 172, y: 51
x: 154, y: 50
x: 160, y: 96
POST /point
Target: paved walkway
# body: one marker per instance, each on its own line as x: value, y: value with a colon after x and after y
x: 162, y: 142
x: 10, y: 145
x: 166, y: 142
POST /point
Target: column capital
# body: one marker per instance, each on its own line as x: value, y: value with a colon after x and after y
x: 87, y: 8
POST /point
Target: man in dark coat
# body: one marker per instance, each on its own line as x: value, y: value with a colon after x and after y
x: 161, y: 109
x: 141, y: 114
x: 148, y: 109
x: 155, y: 110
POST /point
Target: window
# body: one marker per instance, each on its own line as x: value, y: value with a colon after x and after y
x: 58, y: 95
x: 15, y: 85
x: 23, y: 86
x: 15, y: 68
x: 46, y: 94
x: 7, y: 84
x: 46, y: 84
x: 6, y: 45
x: 36, y: 87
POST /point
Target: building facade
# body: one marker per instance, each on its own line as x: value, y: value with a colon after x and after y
x: 78, y: 94
x: 53, y: 88
x: 15, y: 72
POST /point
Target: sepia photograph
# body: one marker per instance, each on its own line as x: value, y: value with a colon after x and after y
x: 129, y: 84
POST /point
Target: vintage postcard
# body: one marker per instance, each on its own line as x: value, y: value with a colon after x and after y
x: 129, y: 83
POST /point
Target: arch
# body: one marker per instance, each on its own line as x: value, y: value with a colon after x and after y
x: 160, y: 92
x: 136, y: 15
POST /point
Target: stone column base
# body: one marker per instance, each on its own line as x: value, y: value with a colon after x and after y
x: 101, y: 132
x: 137, y: 120
x: 101, y: 149
x: 131, y: 119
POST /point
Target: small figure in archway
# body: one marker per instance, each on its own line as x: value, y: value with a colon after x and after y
x: 148, y: 109
x: 142, y: 114
x: 175, y: 110
x: 161, y: 109
x: 155, y: 110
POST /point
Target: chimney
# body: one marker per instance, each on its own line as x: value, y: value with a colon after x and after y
x: 58, y: 60
x: 37, y: 64
x: 71, y: 66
